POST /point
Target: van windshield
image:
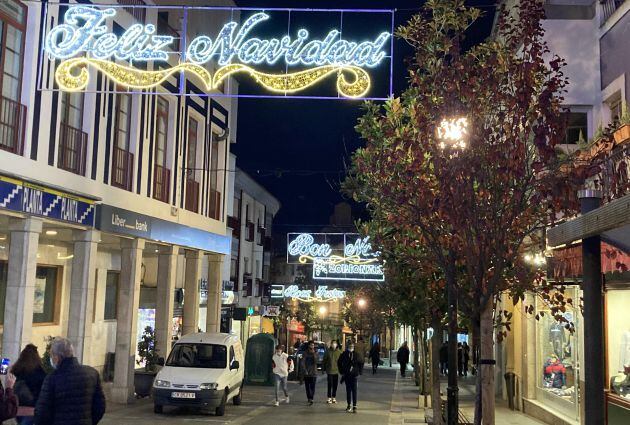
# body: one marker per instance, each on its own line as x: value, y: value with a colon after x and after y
x: 198, y: 355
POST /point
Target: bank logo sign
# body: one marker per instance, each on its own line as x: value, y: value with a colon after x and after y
x: 270, y: 47
x: 336, y: 256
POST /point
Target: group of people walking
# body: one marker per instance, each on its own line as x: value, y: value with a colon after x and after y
x: 463, y: 358
x: 70, y: 394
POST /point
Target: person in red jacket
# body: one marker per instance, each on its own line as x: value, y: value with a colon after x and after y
x: 8, y: 401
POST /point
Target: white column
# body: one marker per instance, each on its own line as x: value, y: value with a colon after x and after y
x: 213, y: 318
x: 191, y: 291
x: 18, y: 306
x: 82, y: 291
x: 167, y: 274
x: 128, y: 303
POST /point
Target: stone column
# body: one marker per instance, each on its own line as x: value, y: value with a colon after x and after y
x: 213, y: 318
x: 167, y: 274
x: 18, y: 306
x: 127, y: 320
x: 82, y: 291
x: 191, y: 291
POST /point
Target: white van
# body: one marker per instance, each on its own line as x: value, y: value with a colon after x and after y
x: 203, y: 370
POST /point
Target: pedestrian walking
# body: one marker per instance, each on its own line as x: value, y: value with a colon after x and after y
x: 332, y: 371
x: 72, y: 393
x: 466, y: 352
x: 403, y: 358
x: 298, y: 343
x: 375, y: 357
x: 308, y: 372
x: 444, y: 358
x: 460, y: 359
x: 282, y: 366
x: 30, y: 374
x: 360, y: 350
x: 8, y: 400
x: 350, y: 369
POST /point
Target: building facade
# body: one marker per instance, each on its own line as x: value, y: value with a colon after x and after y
x: 113, y: 205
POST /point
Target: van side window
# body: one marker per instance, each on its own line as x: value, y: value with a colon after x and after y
x: 231, y: 354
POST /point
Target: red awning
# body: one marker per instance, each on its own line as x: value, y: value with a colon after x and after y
x: 567, y: 262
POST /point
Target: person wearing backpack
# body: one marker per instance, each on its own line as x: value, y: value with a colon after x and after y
x: 30, y: 374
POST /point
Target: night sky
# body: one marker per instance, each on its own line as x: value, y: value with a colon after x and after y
x: 298, y: 149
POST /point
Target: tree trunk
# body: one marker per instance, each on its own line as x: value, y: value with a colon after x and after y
x: 436, y: 398
x: 475, y: 353
x: 416, y: 354
x: 487, y: 363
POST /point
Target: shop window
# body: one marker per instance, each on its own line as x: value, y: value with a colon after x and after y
x: 618, y: 339
x: 45, y: 301
x: 111, y: 296
x: 557, y: 358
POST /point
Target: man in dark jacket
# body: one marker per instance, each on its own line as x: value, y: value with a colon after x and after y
x: 349, y: 365
x: 307, y: 372
x: 72, y: 394
x: 403, y: 358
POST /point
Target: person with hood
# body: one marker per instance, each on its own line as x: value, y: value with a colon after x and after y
x: 350, y: 369
x: 332, y: 370
x: 282, y: 366
x: 307, y: 372
x: 403, y: 358
x: 30, y: 374
x: 375, y: 357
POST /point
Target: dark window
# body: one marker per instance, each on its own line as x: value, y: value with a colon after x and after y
x: 122, y: 162
x: 12, y: 27
x: 111, y: 296
x: 45, y: 299
x: 192, y: 185
x: 211, y: 356
x: 162, y: 174
x: 577, y: 127
x: 123, y: 120
x: 72, y: 139
x: 215, y: 193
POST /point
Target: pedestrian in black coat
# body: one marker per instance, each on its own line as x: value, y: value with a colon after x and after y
x: 403, y: 358
x: 72, y: 393
x: 349, y: 364
x: 307, y: 371
x: 375, y: 357
x: 30, y: 375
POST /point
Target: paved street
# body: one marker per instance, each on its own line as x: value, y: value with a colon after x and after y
x: 375, y: 405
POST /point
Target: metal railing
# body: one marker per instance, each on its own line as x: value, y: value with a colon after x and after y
x: 139, y: 13
x: 122, y: 168
x: 72, y: 149
x: 161, y: 183
x: 608, y: 8
x: 192, y: 195
x: 12, y: 125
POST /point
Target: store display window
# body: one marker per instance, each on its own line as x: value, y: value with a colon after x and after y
x: 557, y: 362
x: 618, y: 342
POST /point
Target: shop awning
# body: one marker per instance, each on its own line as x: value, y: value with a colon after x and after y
x: 567, y: 262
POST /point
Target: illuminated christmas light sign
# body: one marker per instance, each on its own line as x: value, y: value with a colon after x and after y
x: 322, y: 293
x: 336, y: 256
x: 85, y: 41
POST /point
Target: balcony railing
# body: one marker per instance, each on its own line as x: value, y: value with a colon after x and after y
x: 608, y: 8
x: 12, y: 125
x: 72, y: 149
x: 122, y: 168
x: 214, y: 201
x: 192, y: 195
x: 161, y: 183
x: 139, y: 13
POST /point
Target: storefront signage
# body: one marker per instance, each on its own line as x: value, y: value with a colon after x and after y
x: 336, y: 256
x: 271, y: 311
x: 18, y: 195
x: 125, y: 222
x: 85, y: 40
x: 322, y: 293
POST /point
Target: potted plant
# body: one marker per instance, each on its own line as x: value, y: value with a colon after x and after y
x: 622, y: 134
x: 147, y: 356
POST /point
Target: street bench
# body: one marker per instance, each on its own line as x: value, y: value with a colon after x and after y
x: 461, y: 418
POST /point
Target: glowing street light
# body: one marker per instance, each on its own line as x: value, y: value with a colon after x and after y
x: 323, y: 310
x: 361, y: 302
x: 452, y: 132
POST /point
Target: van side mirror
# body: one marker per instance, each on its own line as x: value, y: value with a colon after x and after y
x: 235, y: 365
x: 160, y: 361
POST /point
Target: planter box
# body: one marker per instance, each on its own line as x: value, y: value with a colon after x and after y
x: 143, y: 382
x: 622, y: 135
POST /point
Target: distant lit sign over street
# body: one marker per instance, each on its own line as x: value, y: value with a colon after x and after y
x: 336, y: 256
x: 322, y: 293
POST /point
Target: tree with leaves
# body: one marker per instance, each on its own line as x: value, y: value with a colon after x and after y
x: 470, y: 207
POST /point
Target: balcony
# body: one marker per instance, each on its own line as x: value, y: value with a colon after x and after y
x: 234, y: 224
x: 12, y: 124
x: 139, y: 13
x: 249, y: 231
x: 161, y: 183
x: 122, y: 169
x: 608, y: 8
x: 192, y: 195
x: 214, y: 201
x: 72, y: 149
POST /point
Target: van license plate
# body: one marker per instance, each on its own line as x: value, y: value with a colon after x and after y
x: 183, y: 395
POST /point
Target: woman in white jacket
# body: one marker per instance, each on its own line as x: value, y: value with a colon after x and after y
x: 282, y: 366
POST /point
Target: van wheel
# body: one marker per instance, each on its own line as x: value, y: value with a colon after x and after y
x: 238, y: 398
x: 220, y: 411
x: 157, y: 408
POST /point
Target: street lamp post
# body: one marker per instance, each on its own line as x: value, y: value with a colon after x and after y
x: 452, y: 132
